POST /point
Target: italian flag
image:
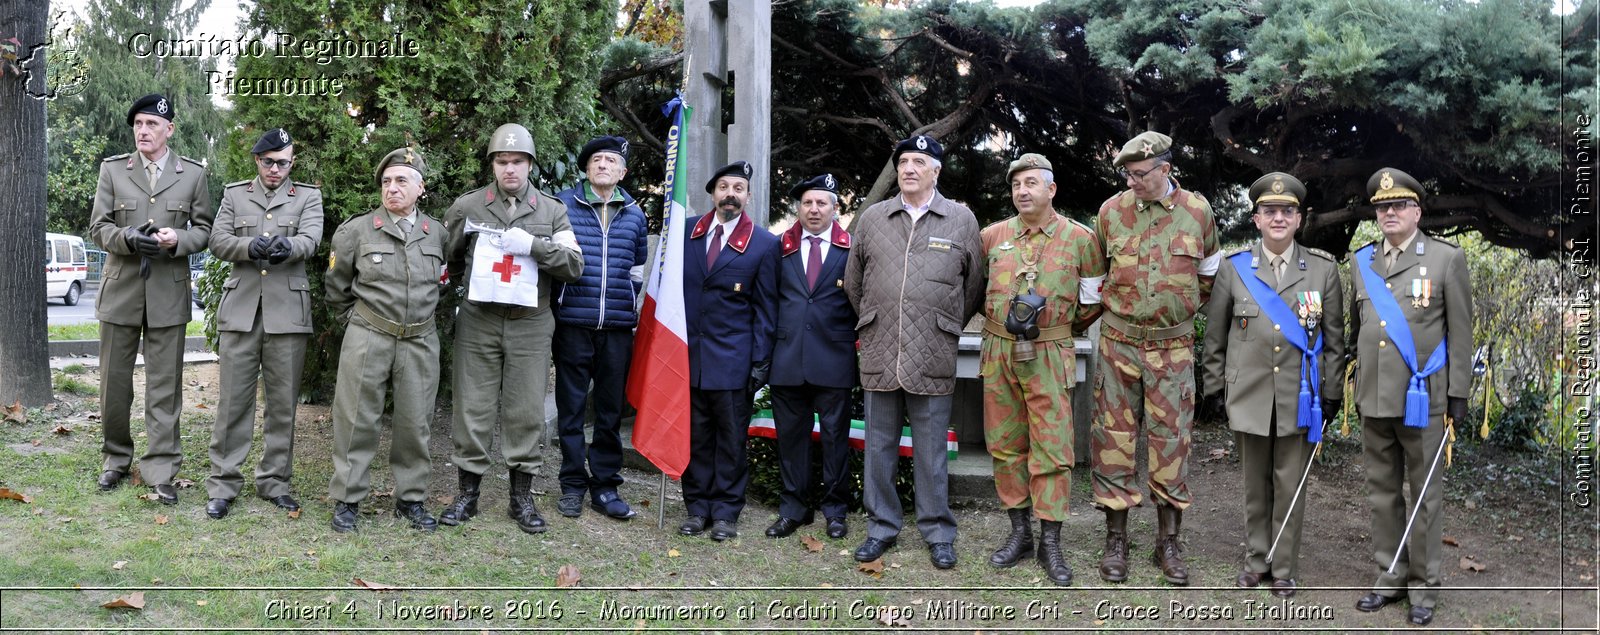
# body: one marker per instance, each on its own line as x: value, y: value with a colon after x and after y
x: 658, y: 377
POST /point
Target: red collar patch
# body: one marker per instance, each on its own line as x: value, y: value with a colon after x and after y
x: 489, y: 195
x: 791, y: 238
x: 377, y: 221
x: 738, y: 240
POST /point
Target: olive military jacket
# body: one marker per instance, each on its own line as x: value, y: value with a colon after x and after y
x: 537, y: 213
x: 123, y: 198
x: 1440, y: 270
x: 397, y: 276
x: 280, y: 291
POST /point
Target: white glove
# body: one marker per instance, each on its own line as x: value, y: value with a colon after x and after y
x: 515, y: 241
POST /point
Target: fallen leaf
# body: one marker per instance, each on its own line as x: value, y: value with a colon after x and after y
x: 135, y: 478
x: 62, y: 430
x: 371, y: 585
x: 118, y: 565
x: 1471, y: 505
x: 812, y: 544
x: 567, y: 576
x: 894, y: 565
x: 1451, y: 540
x: 200, y: 602
x: 201, y: 406
x: 844, y: 552
x: 891, y: 618
x: 15, y: 413
x: 1216, y: 454
x: 156, y: 581
x: 1468, y: 564
x: 1514, y: 538
x: 36, y: 443
x: 183, y: 483
x: 825, y: 585
x: 876, y: 566
x: 1585, y: 577
x: 674, y: 553
x: 152, y: 496
x: 133, y: 600
x: 645, y: 503
x: 161, y: 519
x: 6, y: 493
x: 294, y: 514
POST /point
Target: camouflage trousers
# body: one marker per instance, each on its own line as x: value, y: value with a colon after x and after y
x: 1149, y: 389
x: 1027, y: 425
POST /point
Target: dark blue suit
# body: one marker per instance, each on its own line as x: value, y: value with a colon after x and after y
x: 813, y: 371
x: 730, y: 311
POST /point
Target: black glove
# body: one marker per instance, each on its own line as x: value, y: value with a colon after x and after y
x: 1330, y: 411
x: 258, y: 247
x: 279, y: 250
x: 758, y: 375
x: 1456, y: 408
x: 140, y: 243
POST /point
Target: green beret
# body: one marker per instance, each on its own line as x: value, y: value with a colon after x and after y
x: 1389, y: 184
x: 1278, y: 187
x: 1029, y: 161
x: 1148, y: 144
x: 402, y: 156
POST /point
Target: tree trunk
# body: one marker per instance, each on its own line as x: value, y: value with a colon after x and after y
x: 24, y: 357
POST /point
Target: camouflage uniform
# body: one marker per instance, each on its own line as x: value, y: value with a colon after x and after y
x: 1027, y: 406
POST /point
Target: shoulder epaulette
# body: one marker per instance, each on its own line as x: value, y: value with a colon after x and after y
x: 355, y: 218
x: 1320, y: 254
x: 1080, y: 224
x: 199, y: 163
x: 237, y: 184
x: 1239, y: 250
x: 1441, y: 240
x: 117, y: 157
x: 310, y: 185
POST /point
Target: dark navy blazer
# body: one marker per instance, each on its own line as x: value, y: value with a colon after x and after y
x: 732, y: 308
x: 816, y: 338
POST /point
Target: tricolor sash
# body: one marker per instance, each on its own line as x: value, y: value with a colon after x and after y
x: 1309, y: 413
x: 1399, y: 332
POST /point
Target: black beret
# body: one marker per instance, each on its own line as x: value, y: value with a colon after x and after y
x: 275, y: 139
x: 824, y: 182
x: 920, y: 143
x: 604, y: 143
x: 737, y: 168
x: 151, y: 104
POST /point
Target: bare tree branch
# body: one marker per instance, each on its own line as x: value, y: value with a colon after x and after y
x: 640, y: 131
x: 610, y: 79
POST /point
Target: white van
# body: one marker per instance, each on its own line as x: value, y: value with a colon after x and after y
x: 66, y: 267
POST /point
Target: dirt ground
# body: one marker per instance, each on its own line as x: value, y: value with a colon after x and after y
x: 1532, y: 554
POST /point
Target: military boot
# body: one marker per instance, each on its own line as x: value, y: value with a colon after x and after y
x: 1114, y: 564
x: 465, y: 506
x: 1050, y: 558
x: 522, y: 509
x: 1019, y: 544
x: 1168, y: 554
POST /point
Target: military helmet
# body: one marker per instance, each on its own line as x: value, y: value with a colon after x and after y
x: 511, y: 138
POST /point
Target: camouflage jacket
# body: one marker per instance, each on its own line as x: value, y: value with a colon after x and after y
x: 1161, y: 258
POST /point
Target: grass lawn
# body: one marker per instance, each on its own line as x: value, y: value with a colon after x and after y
x: 91, y: 331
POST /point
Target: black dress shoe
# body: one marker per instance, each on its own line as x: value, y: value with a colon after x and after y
x: 109, y: 480
x: 416, y: 514
x: 344, y: 517
x: 783, y: 527
x: 872, y: 549
x: 167, y: 494
x: 1373, y: 601
x: 837, y: 528
x: 724, y: 530
x: 217, y: 507
x: 1283, y: 588
x: 610, y: 504
x: 1420, y: 616
x: 692, y: 526
x: 1250, y: 579
x: 285, y: 502
x: 942, y: 555
x: 570, y: 505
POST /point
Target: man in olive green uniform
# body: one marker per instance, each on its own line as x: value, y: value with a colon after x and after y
x: 1039, y: 262
x: 151, y: 210
x: 502, y: 351
x: 1160, y: 242
x: 383, y: 282
x: 1274, y: 328
x: 1412, y: 311
x: 267, y: 227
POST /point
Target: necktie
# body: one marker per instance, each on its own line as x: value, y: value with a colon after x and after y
x: 511, y: 206
x: 405, y: 226
x: 1277, y: 270
x: 1390, y: 255
x: 813, y: 262
x: 151, y: 168
x: 716, y: 247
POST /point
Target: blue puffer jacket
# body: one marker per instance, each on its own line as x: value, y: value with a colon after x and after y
x: 604, y: 297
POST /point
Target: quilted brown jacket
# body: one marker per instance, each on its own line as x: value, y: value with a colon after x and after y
x: 914, y: 285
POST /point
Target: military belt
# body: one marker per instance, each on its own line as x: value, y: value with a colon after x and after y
x: 1046, y: 334
x: 391, y: 327
x: 1147, y: 333
x: 505, y: 311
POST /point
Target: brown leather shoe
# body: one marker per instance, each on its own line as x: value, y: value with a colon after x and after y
x: 1168, y: 554
x: 1250, y: 579
x: 1283, y: 588
x: 1114, y: 563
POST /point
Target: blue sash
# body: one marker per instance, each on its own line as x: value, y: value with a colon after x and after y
x: 1309, y: 413
x: 1399, y: 332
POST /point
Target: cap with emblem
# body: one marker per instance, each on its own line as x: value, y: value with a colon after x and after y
x: 1029, y: 161
x: 511, y: 138
x: 152, y: 104
x: 1148, y: 144
x: 604, y: 143
x: 824, y: 182
x: 275, y: 139
x: 407, y: 157
x: 1277, y: 187
x: 737, y: 168
x: 921, y: 143
x: 1389, y: 184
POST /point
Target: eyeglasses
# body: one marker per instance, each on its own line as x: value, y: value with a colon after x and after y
x: 1275, y: 212
x: 1393, y: 208
x: 282, y: 164
x: 1138, y: 176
